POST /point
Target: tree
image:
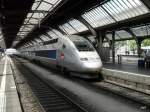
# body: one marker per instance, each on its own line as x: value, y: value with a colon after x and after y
x: 119, y: 44
x: 132, y: 45
x: 146, y: 42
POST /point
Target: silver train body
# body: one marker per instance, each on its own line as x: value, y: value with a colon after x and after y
x: 70, y: 53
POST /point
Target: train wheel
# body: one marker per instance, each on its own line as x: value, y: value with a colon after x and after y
x: 100, y: 77
x: 66, y: 71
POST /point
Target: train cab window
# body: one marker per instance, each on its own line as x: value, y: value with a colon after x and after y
x: 83, y: 45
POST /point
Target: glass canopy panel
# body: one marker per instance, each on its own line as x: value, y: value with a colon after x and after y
x: 119, y: 35
x: 125, y: 9
x: 37, y: 16
x: 34, y: 42
x: 38, y: 40
x: 33, y: 21
x: 52, y: 34
x: 30, y: 44
x: 21, y: 33
x: 18, y: 33
x: 29, y: 15
x: 26, y: 29
x: 63, y: 29
x: 57, y: 33
x: 35, y: 4
x: 45, y: 38
x: 33, y: 18
x: 98, y: 17
x: 26, y: 20
x: 53, y: 1
x: 44, y: 6
x: 141, y: 31
x: 68, y: 28
x: 113, y: 11
x: 109, y: 36
x: 91, y: 38
x: 78, y: 25
x: 123, y: 34
x: 27, y: 45
x: 29, y: 26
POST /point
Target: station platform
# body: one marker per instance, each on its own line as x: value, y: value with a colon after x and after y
x: 128, y: 75
x: 127, y: 67
x: 9, y: 100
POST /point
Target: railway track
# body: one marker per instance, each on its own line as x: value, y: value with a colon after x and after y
x: 106, y: 87
x: 51, y: 99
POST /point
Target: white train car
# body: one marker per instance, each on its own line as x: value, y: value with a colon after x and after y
x: 73, y: 54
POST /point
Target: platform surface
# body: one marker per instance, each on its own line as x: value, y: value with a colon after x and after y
x: 128, y: 67
x: 9, y: 101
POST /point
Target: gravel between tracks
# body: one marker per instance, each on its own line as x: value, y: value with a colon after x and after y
x: 28, y: 100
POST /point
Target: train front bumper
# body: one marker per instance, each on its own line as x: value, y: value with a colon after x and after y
x: 91, y: 66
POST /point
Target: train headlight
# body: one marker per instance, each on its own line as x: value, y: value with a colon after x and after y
x: 84, y: 59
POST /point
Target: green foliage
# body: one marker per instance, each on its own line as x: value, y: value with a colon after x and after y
x: 146, y: 42
x: 132, y: 45
x: 119, y: 44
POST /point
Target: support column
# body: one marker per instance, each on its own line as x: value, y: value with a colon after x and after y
x: 108, y: 40
x: 101, y: 36
x: 139, y: 41
x: 113, y: 46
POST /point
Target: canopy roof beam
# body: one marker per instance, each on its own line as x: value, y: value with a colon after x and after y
x: 91, y: 29
x: 146, y: 3
x: 131, y: 33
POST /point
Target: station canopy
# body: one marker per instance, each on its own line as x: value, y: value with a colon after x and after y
x: 39, y: 11
x: 48, y: 19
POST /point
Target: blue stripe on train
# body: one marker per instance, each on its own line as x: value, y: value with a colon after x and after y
x: 46, y: 53
x: 52, y: 54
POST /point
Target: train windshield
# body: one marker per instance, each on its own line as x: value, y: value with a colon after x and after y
x: 83, y: 45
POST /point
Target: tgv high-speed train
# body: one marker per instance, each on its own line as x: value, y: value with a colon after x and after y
x: 73, y: 54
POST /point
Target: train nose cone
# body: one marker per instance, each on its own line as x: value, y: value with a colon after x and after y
x: 93, y: 66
